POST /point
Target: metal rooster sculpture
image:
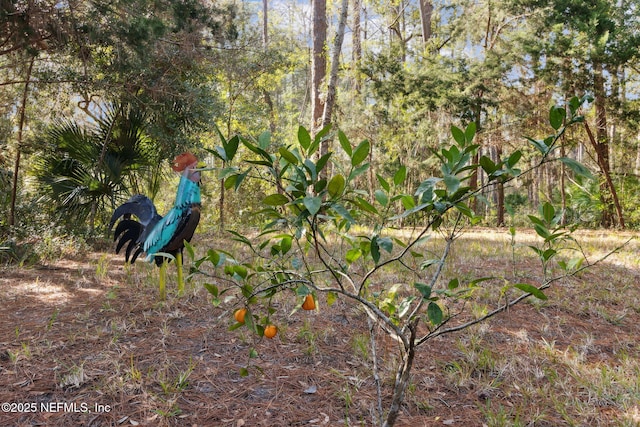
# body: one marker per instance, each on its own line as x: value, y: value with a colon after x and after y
x: 155, y: 235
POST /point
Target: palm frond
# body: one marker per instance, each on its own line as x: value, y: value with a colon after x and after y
x: 82, y: 171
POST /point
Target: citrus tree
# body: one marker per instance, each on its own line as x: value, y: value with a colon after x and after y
x: 323, y: 234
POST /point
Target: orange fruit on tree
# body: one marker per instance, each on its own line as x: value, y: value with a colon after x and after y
x: 309, y: 303
x: 270, y: 331
x: 239, y: 314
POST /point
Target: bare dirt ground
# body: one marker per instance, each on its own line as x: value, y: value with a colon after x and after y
x: 85, y: 342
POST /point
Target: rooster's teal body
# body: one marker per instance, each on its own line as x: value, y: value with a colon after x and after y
x: 155, y: 235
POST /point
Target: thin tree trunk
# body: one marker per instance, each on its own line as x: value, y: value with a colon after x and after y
x: 402, y: 378
x: 426, y: 9
x: 473, y: 180
x: 500, y: 195
x: 265, y: 21
x: 265, y: 46
x: 637, y: 168
x: 563, y: 174
x: 397, y: 29
x: 607, y: 175
x: 333, y: 74
x: 357, y: 45
x: 601, y: 144
x: 16, y: 167
x: 222, y: 188
x: 318, y: 61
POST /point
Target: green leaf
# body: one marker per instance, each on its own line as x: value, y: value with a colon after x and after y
x: 189, y: 247
x: 353, y: 255
x: 434, y: 312
x: 239, y: 178
x: 321, y: 135
x: 465, y: 210
x: 303, y: 137
x: 381, y: 197
x: 322, y: 161
x: 577, y: 167
x: 240, y: 270
x: 249, y: 321
x: 268, y: 160
x: 288, y: 155
x: 358, y: 171
x: 343, y: 212
x: 574, y: 104
x: 428, y: 263
x: 514, y: 158
x: 303, y: 290
x: 365, y: 205
x: 458, y: 135
x: 548, y: 212
x: 275, y: 200
x: 535, y: 220
x: 408, y: 202
x: 230, y: 182
x: 264, y: 140
x: 336, y: 186
x: 452, y: 182
x: 530, y: 289
x: 470, y: 132
x: 383, y: 182
x: 556, y: 116
x: 540, y: 145
x: 231, y: 147
x: 542, y: 231
x: 285, y: 244
x: 425, y: 189
x: 575, y: 263
x: 212, y: 289
x: 375, y: 249
x: 218, y: 152
x: 235, y: 326
x: 311, y: 167
x: 214, y: 257
x: 361, y: 152
x: 319, y: 186
x: 488, y: 165
x: 400, y: 176
x: 424, y: 289
x: 260, y: 162
x: 385, y: 243
x: 312, y: 204
x: 331, y: 298
x: 548, y: 254
x: 344, y: 143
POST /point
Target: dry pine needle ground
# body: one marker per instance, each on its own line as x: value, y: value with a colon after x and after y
x: 86, y: 342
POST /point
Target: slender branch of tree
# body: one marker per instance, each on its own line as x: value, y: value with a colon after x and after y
x: 607, y: 176
x: 21, y: 124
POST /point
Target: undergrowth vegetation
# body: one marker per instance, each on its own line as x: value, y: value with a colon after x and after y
x: 324, y: 233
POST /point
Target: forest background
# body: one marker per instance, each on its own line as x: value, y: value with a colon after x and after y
x: 339, y: 137
x: 96, y: 96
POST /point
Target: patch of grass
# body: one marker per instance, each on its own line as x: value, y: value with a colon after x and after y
x: 360, y: 344
x: 308, y: 336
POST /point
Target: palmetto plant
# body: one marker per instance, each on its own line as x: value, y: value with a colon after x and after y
x: 83, y: 171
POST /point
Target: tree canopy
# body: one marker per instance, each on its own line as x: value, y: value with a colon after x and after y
x: 405, y: 72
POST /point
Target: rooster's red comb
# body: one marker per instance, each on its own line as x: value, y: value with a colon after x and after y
x: 182, y: 161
